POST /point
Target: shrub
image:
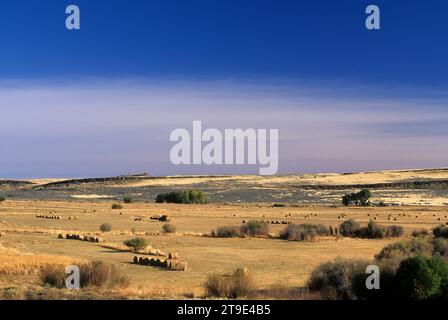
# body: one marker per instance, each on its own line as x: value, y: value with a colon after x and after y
x: 169, y: 228
x: 215, y: 286
x: 239, y: 284
x: 372, y: 231
x: 333, y: 280
x: 136, y: 243
x: 394, y: 231
x: 186, y: 197
x: 95, y: 273
x: 440, y: 247
x: 105, y: 227
x: 117, y: 206
x: 440, y: 232
x: 53, y: 275
x: 2, y: 198
x: 128, y: 199
x: 422, y: 278
x: 227, y: 232
x: 405, y: 249
x: 254, y: 228
x: 349, y: 227
x: 301, y: 232
x: 420, y: 233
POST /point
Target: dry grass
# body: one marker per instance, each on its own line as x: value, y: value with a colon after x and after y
x: 13, y: 262
x: 31, y: 243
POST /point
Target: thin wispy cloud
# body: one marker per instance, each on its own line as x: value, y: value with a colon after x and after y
x: 107, y: 127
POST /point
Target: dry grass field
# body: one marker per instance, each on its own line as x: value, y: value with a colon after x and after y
x: 28, y: 243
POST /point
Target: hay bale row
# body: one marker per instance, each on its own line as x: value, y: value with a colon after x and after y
x: 278, y: 222
x: 171, y: 263
x: 81, y: 238
x: 40, y: 216
x: 92, y: 239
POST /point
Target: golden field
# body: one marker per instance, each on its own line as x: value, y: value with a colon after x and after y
x: 28, y: 242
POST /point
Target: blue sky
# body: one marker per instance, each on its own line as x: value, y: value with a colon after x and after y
x: 103, y: 100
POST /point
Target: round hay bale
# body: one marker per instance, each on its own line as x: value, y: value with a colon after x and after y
x: 146, y: 261
x: 152, y: 262
x: 136, y: 260
x: 60, y: 236
x: 140, y: 260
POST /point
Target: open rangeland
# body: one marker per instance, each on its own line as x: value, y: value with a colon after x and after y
x: 28, y: 242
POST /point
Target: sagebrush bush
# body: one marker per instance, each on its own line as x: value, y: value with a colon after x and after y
x: 420, y: 233
x: 372, y: 231
x: 404, y: 249
x: 136, y: 243
x: 117, y: 206
x: 215, y: 286
x: 92, y: 274
x: 334, y: 280
x: 53, y: 276
x: 185, y: 197
x: 239, y: 284
x: 106, y: 227
x: 394, y: 231
x: 440, y: 232
x: 349, y: 227
x: 440, y: 247
x: 304, y: 232
x: 169, y: 228
x: 254, y: 228
x: 227, y: 232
